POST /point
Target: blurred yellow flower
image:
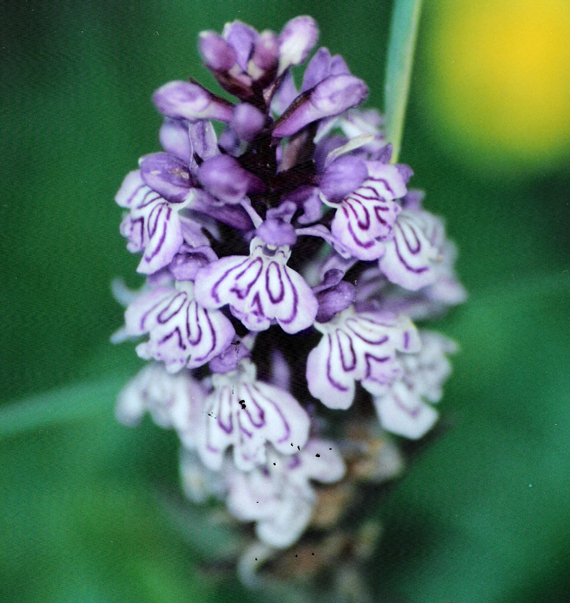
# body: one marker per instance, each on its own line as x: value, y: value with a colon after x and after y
x: 498, y: 76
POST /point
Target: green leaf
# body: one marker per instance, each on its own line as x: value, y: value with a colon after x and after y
x: 70, y: 403
x: 403, y: 34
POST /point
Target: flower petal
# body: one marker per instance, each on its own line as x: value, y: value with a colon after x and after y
x: 411, y: 257
x: 182, y: 333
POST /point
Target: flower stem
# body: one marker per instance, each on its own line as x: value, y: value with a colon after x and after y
x: 403, y: 34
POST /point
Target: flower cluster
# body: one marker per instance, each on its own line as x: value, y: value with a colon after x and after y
x: 277, y: 238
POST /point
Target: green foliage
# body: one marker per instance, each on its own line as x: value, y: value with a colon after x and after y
x: 482, y: 515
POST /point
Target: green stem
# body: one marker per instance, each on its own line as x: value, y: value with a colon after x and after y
x: 403, y: 34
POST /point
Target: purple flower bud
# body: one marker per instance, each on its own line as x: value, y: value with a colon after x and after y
x: 317, y: 70
x: 203, y: 139
x: 321, y: 66
x: 230, y: 358
x: 277, y: 232
x: 405, y: 171
x: 247, y: 121
x: 332, y: 96
x: 265, y: 55
x: 334, y: 300
x: 339, y: 66
x: 189, y: 260
x: 296, y: 41
x: 175, y: 140
x: 232, y: 215
x: 186, y: 100
x: 242, y: 38
x: 342, y: 177
x: 217, y: 53
x: 166, y: 175
x: 226, y: 180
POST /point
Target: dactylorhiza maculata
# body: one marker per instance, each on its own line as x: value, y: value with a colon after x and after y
x: 285, y: 260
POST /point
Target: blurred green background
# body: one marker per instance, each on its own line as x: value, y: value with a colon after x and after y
x: 483, y: 515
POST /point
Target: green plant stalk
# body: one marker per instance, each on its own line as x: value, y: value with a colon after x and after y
x: 401, y: 46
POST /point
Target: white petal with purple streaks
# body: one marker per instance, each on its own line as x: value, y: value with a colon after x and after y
x: 152, y: 226
x: 358, y: 347
x: 259, y: 288
x: 366, y: 217
x: 181, y: 332
x: 246, y: 414
x: 279, y: 496
x: 403, y: 408
x: 411, y: 258
x: 174, y: 401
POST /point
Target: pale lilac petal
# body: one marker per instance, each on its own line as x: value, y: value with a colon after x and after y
x: 411, y: 258
x: 203, y: 139
x: 279, y: 496
x: 225, y: 179
x: 322, y: 461
x: 285, y: 94
x: 132, y: 191
x: 342, y: 177
x: 232, y: 215
x: 175, y: 139
x: 317, y: 70
x: 296, y: 41
x: 161, y: 233
x: 217, y: 53
x: 277, y: 233
x: 189, y: 260
x: 366, y: 217
x: 265, y: 58
x: 181, y: 332
x: 230, y: 358
x: 285, y: 528
x: 241, y: 38
x: 174, y: 401
x: 403, y: 408
x: 402, y: 412
x: 328, y: 367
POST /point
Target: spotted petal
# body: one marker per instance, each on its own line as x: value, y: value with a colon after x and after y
x: 246, y: 414
x: 358, y: 347
x: 181, y: 332
x: 259, y: 288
